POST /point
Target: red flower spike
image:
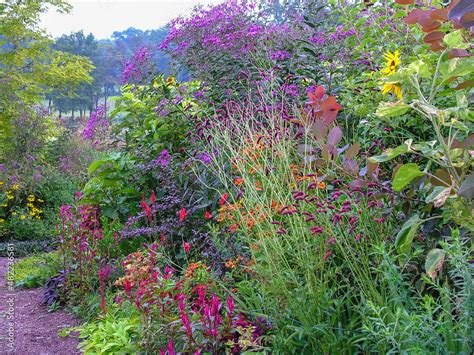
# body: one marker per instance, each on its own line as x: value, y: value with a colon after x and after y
x: 182, y: 214
x: 153, y: 197
x: 224, y: 199
x: 207, y: 215
x: 186, y: 247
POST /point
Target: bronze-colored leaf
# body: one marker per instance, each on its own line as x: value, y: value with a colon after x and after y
x: 458, y: 53
x: 433, y: 37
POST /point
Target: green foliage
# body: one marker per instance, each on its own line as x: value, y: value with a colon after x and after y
x: 34, y: 271
x: 118, y: 332
x: 30, y: 68
x: 147, y: 119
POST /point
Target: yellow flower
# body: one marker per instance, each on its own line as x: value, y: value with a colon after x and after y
x: 2, y: 220
x: 391, y: 87
x: 170, y: 80
x: 392, y: 63
x: 30, y: 205
x: 31, y: 198
x: 16, y: 187
x: 40, y: 200
x: 10, y: 197
x: 22, y: 217
x: 1, y: 182
x: 14, y: 213
x: 5, y: 205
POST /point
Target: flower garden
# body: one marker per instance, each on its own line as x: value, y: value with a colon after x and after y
x: 303, y: 184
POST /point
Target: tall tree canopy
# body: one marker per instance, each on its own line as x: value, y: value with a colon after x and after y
x: 29, y: 66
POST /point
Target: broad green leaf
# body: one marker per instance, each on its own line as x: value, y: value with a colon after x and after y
x: 405, y: 174
x: 390, y: 153
x: 434, y: 262
x: 405, y: 236
x: 96, y: 164
x: 454, y: 40
x: 438, y: 196
x: 391, y: 109
x: 420, y: 68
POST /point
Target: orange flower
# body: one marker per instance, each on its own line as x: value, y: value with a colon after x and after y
x: 238, y: 181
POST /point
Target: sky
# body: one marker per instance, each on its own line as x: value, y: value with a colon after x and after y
x: 103, y: 17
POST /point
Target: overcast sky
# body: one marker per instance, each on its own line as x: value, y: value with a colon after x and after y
x: 103, y: 17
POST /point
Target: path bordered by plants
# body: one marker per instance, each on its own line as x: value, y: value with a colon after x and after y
x: 36, y: 330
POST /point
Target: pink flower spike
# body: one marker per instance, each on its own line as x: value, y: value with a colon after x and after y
x: 153, y: 197
x: 208, y: 215
x: 187, y: 247
x: 327, y: 255
x: 182, y: 214
x: 316, y: 230
x: 170, y: 348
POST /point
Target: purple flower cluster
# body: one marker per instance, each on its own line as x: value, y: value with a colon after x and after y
x: 137, y: 68
x: 163, y: 158
x: 227, y: 27
x: 280, y: 55
x: 97, y: 124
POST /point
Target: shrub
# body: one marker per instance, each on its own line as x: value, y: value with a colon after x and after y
x: 35, y: 270
x: 117, y: 331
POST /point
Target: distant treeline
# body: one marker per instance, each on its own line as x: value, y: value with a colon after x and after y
x: 108, y: 56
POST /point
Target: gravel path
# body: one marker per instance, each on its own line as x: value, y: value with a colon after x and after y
x: 35, y: 330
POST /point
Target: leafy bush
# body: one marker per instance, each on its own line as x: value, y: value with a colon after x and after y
x: 34, y: 271
x: 117, y: 331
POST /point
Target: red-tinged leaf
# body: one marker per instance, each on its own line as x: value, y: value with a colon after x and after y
x: 329, y: 116
x: 329, y: 104
x: 371, y: 167
x: 429, y: 25
x: 319, y: 92
x: 335, y: 136
x: 439, y: 14
x: 466, y: 189
x: 405, y: 2
x: 415, y: 16
x: 468, y: 142
x: 325, y: 152
x: 467, y: 20
x: 436, y: 47
x: 320, y: 129
x: 433, y: 37
x: 461, y: 8
x: 351, y: 166
x: 456, y: 143
x: 357, y: 183
x: 352, y: 151
x: 452, y: 4
x: 458, y: 53
x: 442, y: 178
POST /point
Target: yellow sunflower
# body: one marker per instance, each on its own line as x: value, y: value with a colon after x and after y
x: 392, y: 61
x: 170, y: 80
x: 390, y: 87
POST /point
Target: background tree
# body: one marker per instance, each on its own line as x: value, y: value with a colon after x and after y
x: 29, y: 67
